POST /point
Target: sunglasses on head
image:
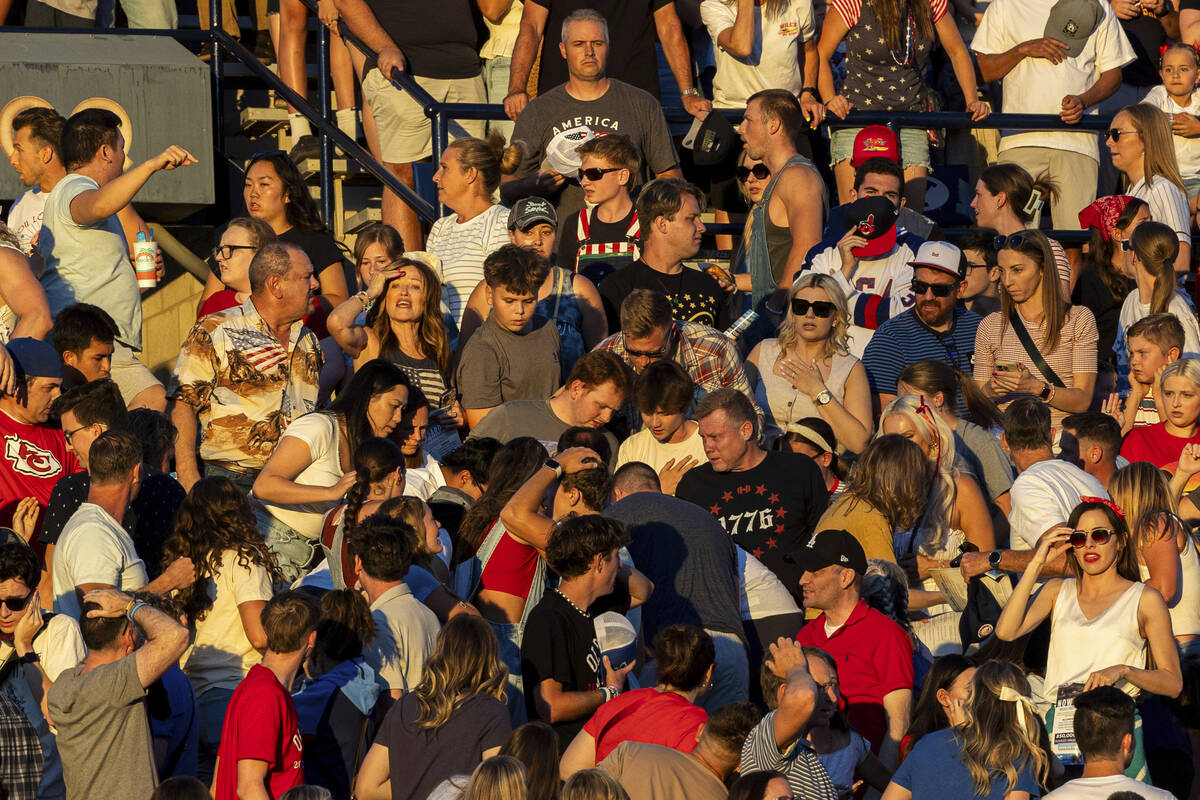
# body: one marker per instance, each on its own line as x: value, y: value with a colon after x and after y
x: 596, y: 173
x: 759, y: 171
x: 1116, y: 133
x: 1126, y: 244
x: 1098, y: 535
x: 16, y: 603
x: 919, y: 288
x: 820, y: 308
x: 1010, y: 242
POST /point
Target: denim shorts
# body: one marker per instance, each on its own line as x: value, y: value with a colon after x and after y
x: 914, y: 146
x: 1192, y: 185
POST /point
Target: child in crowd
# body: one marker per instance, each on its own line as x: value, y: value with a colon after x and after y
x: 669, y: 442
x: 1178, y: 67
x: 1154, y: 342
x: 514, y: 354
x: 608, y: 231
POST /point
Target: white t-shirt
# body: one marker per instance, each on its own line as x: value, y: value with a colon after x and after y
x: 93, y: 548
x: 1035, y: 86
x: 1046, y: 494
x: 1094, y: 788
x: 762, y: 594
x: 423, y: 481
x: 642, y: 446
x: 1133, y: 309
x: 221, y: 654
x: 889, y: 276
x: 462, y: 247
x: 320, y: 433
x: 1187, y: 151
x: 1168, y: 205
x: 25, y: 217
x: 89, y: 263
x: 775, y: 59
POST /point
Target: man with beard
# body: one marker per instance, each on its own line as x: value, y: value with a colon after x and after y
x: 936, y: 327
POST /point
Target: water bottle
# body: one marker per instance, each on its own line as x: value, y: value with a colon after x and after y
x: 741, y: 324
x: 145, y: 261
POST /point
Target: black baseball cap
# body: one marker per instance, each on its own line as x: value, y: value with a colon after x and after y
x: 827, y: 548
x: 875, y: 219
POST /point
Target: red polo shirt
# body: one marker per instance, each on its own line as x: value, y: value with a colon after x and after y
x: 874, y: 657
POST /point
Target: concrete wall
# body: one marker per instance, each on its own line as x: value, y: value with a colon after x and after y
x: 167, y: 316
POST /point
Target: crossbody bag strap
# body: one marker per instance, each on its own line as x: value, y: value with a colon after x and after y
x: 1032, y: 351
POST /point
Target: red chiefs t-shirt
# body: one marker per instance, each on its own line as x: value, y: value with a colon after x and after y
x: 646, y: 715
x: 32, y: 459
x: 260, y: 724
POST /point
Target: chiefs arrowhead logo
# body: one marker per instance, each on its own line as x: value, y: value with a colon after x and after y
x: 29, y: 459
x: 867, y: 226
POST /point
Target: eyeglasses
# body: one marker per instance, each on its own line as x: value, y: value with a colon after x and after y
x: 225, y: 251
x: 16, y: 603
x: 973, y: 265
x: 1098, y: 535
x: 820, y: 308
x: 831, y: 686
x: 759, y: 171
x: 68, y: 434
x: 1116, y: 133
x: 1010, y: 242
x: 919, y: 288
x: 596, y: 173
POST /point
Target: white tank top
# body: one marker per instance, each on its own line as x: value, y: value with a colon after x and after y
x: 783, y: 404
x: 1079, y: 646
x: 1185, y: 605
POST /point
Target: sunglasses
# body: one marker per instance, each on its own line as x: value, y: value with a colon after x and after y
x: 759, y: 171
x: 225, y: 251
x: 1116, y: 133
x: 647, y: 353
x: 1010, y: 242
x: 1126, y: 245
x: 919, y: 288
x: 1098, y: 535
x: 596, y: 173
x: 820, y: 308
x: 16, y: 603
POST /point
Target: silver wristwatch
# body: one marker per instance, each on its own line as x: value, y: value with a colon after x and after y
x: 824, y: 397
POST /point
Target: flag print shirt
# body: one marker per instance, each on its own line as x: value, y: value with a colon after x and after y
x: 244, y: 384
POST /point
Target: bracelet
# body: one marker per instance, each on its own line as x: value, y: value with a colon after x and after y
x: 811, y: 90
x: 133, y: 611
x: 129, y: 605
x: 692, y: 92
x: 365, y: 299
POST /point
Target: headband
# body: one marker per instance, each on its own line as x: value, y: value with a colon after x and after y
x: 1109, y: 504
x: 1103, y: 214
x: 811, y: 435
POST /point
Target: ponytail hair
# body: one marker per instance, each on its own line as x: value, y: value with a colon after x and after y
x: 1025, y: 195
x: 932, y: 376
x: 490, y: 157
x: 374, y: 460
x: 1156, y: 246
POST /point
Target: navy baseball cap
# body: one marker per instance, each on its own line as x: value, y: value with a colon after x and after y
x: 35, y: 358
x: 827, y: 548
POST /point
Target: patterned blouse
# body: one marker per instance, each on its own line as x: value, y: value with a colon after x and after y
x: 878, y: 77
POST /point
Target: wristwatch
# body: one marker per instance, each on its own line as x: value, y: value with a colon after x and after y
x: 554, y: 465
x: 693, y: 92
x: 824, y: 397
x: 1045, y: 392
x: 811, y: 90
x: 994, y: 559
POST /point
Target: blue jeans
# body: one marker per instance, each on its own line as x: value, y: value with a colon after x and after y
x: 211, y: 706
x: 495, y: 81
x: 293, y: 552
x: 731, y: 673
x: 508, y: 634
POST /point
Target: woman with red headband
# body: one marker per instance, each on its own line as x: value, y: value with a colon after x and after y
x: 1102, y: 618
x: 1104, y: 281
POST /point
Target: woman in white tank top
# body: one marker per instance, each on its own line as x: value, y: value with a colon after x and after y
x: 1102, y: 619
x: 1166, y: 554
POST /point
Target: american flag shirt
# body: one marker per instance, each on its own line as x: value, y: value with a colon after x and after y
x: 245, y: 386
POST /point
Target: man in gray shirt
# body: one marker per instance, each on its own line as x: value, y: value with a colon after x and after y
x: 589, y: 104
x: 693, y: 564
x: 103, y: 731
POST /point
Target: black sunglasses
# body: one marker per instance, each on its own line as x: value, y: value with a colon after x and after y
x: 939, y: 289
x: 759, y: 171
x: 1098, y: 535
x: 1116, y: 133
x: 820, y: 308
x: 1126, y: 244
x: 16, y: 603
x: 226, y: 250
x: 596, y: 173
x: 1010, y: 242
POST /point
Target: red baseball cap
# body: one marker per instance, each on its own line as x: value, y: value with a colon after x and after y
x: 875, y: 141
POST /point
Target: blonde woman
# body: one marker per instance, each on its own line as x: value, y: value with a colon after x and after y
x: 592, y: 784
x: 956, y: 512
x: 1166, y: 555
x: 1152, y: 264
x: 999, y: 751
x: 454, y: 719
x: 808, y: 370
x: 497, y: 778
x: 1142, y: 148
x: 1059, y: 362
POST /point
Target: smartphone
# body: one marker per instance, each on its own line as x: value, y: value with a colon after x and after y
x: 1006, y: 366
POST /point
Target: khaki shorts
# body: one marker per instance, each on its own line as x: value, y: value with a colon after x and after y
x: 405, y: 133
x: 131, y: 375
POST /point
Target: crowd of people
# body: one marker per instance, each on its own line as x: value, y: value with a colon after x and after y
x: 527, y: 507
